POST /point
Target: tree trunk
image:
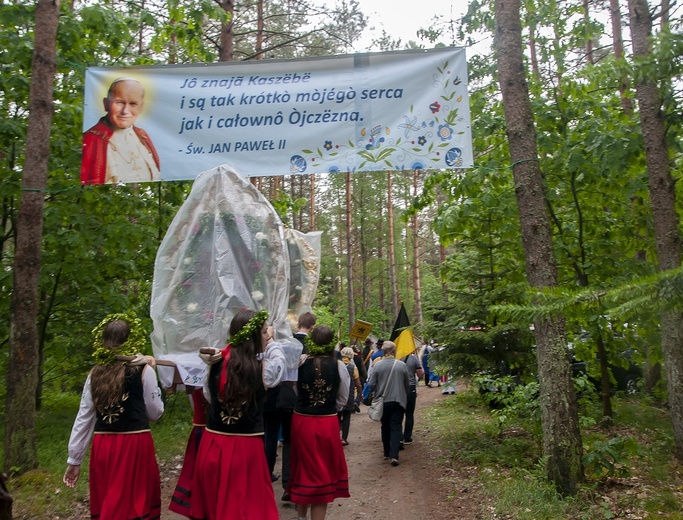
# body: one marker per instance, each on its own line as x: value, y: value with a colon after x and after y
x: 380, y: 256
x: 22, y: 367
x: 364, y: 257
x: 532, y: 50
x: 605, y: 385
x: 226, y: 47
x: 416, y: 258
x: 559, y: 414
x: 589, y: 37
x: 665, y: 219
x: 618, y: 47
x: 258, y: 48
x: 442, y: 259
x: 349, y: 254
x: 141, y: 33
x: 666, y: 13
x: 391, y: 252
x: 296, y: 220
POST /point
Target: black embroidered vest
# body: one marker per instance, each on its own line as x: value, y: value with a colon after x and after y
x: 128, y: 414
x: 231, y: 419
x: 318, y: 385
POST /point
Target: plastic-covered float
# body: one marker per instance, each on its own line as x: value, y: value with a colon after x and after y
x: 226, y: 250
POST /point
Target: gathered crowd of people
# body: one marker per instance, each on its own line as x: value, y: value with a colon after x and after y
x: 251, y: 402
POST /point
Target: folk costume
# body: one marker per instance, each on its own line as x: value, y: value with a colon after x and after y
x: 318, y: 468
x: 124, y: 475
x: 181, y: 499
x: 231, y: 478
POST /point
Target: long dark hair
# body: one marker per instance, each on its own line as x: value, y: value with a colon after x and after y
x: 106, y: 381
x: 243, y: 367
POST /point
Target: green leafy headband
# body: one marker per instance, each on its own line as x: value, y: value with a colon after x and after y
x: 136, y: 342
x: 254, y: 325
x: 316, y: 350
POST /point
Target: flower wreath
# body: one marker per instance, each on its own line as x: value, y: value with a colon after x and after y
x: 253, y: 326
x: 136, y: 342
x: 316, y: 350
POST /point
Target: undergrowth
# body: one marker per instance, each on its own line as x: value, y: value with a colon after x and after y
x: 630, y: 470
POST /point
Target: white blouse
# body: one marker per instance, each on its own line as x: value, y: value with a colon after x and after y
x: 84, y: 425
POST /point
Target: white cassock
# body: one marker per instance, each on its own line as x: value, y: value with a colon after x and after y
x: 128, y: 160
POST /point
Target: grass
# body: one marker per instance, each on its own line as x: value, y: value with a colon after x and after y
x: 40, y: 493
x: 510, y: 470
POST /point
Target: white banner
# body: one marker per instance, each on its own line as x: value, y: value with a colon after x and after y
x: 363, y: 112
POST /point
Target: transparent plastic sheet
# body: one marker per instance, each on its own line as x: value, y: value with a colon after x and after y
x: 224, y: 251
x: 304, y: 267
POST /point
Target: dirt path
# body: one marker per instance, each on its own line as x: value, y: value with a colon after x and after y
x: 418, y: 488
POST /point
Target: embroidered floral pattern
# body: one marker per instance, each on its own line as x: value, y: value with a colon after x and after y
x: 318, y: 391
x: 231, y: 414
x: 113, y: 412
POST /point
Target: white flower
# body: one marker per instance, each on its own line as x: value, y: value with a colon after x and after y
x: 192, y: 307
x: 257, y: 296
x: 297, y: 261
x: 187, y: 260
x: 261, y: 236
x: 298, y: 287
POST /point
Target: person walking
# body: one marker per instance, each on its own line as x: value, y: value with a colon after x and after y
x: 118, y: 402
x: 279, y: 409
x: 415, y: 373
x: 354, y: 387
x: 231, y: 478
x: 319, y: 473
x: 389, y: 379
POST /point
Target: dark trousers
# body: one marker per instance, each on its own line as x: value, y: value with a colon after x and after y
x: 410, y: 414
x: 392, y: 423
x: 273, y: 420
x: 345, y: 422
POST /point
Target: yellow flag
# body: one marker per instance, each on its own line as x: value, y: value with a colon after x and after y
x: 402, y: 334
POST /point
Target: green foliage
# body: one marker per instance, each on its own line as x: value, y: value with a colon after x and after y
x: 517, y: 405
x: 505, y: 349
x: 610, y: 458
x: 284, y: 205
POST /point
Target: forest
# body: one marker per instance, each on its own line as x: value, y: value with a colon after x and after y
x: 560, y: 248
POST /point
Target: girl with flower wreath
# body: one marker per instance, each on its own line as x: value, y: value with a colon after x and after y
x: 119, y: 400
x: 318, y: 467
x: 231, y: 477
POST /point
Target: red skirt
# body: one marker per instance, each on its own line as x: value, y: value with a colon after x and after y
x: 124, y: 477
x: 231, y: 480
x: 180, y: 501
x: 318, y: 467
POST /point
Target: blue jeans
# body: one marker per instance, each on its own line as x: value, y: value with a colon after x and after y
x: 392, y: 423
